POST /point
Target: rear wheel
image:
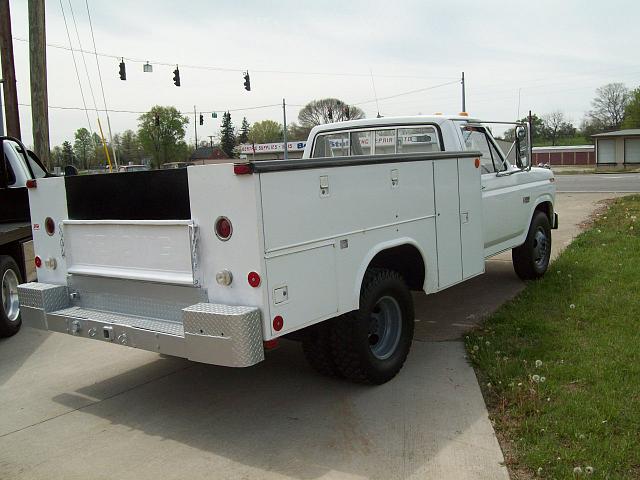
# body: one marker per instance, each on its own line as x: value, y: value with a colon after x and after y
x: 317, y: 349
x: 531, y: 259
x: 371, y: 344
x: 10, y: 278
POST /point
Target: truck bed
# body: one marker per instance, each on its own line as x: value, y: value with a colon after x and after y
x: 11, y: 232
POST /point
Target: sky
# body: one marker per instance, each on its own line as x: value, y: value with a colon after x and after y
x: 517, y: 56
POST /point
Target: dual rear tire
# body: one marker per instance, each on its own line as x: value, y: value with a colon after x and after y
x: 371, y: 344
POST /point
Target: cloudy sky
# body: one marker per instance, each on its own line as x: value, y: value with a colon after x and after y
x: 554, y: 53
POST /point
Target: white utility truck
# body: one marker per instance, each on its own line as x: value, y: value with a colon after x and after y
x: 214, y: 263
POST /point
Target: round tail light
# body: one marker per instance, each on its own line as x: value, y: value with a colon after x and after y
x: 49, y: 226
x: 223, y: 228
x: 254, y: 279
x: 278, y: 323
x: 37, y: 261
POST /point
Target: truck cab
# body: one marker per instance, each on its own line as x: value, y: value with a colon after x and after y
x: 17, y: 167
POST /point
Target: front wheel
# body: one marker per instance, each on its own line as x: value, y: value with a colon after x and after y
x: 10, y: 320
x: 531, y: 259
x: 371, y: 344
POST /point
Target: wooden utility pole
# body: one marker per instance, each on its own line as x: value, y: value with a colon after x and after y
x: 38, y: 64
x: 8, y: 72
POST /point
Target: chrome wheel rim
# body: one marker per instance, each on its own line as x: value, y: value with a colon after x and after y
x: 385, y: 327
x: 540, y: 247
x: 10, y: 301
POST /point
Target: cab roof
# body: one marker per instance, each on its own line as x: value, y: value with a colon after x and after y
x: 375, y: 122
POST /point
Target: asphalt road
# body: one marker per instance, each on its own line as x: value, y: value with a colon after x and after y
x: 609, y: 182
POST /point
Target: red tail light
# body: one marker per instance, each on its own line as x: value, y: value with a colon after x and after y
x: 37, y: 261
x: 254, y: 279
x: 271, y: 344
x: 242, y: 168
x: 223, y: 228
x: 31, y: 183
x: 49, y: 226
x: 278, y: 323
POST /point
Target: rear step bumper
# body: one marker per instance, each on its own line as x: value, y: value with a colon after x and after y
x: 209, y: 333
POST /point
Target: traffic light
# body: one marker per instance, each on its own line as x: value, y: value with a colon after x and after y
x: 123, y: 71
x: 247, y: 82
x: 201, y: 119
x: 214, y: 115
x: 176, y: 77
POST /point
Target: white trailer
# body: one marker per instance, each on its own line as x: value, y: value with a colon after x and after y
x: 214, y: 263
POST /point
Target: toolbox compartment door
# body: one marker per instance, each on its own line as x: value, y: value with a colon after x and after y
x: 152, y: 250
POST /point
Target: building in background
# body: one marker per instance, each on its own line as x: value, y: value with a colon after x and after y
x: 580, y: 155
x: 272, y: 151
x: 208, y: 155
x: 620, y: 149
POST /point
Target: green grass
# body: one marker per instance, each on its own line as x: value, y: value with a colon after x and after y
x: 582, y: 322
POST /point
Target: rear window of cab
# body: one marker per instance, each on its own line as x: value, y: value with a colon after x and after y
x: 377, y: 141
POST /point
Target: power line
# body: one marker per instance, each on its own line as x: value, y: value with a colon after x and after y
x: 86, y: 112
x: 406, y: 93
x: 104, y: 98
x: 84, y: 60
x: 230, y: 69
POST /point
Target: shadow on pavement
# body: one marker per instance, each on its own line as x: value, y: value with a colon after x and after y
x: 281, y: 417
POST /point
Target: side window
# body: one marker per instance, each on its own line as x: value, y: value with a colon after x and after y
x: 11, y: 176
x: 361, y: 143
x: 498, y: 162
x: 385, y: 141
x: 418, y: 140
x: 320, y: 147
x: 476, y: 139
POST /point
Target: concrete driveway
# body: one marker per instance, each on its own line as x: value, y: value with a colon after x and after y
x: 74, y: 408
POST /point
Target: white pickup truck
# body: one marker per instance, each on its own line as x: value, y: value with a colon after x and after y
x: 214, y: 263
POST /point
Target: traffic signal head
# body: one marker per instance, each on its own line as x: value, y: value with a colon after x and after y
x: 214, y: 115
x: 247, y: 82
x: 123, y: 71
x: 176, y: 77
x: 201, y: 119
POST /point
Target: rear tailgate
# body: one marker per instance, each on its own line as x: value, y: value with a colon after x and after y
x: 152, y: 250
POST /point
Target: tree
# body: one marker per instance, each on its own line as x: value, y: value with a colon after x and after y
x: 555, y: 126
x: 57, y: 160
x: 67, y: 153
x: 297, y: 132
x: 632, y: 111
x: 244, y: 132
x: 537, y: 127
x: 609, y: 105
x: 128, y: 147
x: 266, y: 131
x: 227, y: 135
x: 83, y: 147
x: 327, y: 110
x: 161, y: 133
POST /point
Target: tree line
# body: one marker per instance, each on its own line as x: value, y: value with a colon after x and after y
x: 614, y: 107
x: 160, y: 137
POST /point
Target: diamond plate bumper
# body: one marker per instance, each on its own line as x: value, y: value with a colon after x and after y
x: 209, y: 333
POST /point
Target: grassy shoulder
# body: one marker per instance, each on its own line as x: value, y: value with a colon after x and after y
x: 560, y: 364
